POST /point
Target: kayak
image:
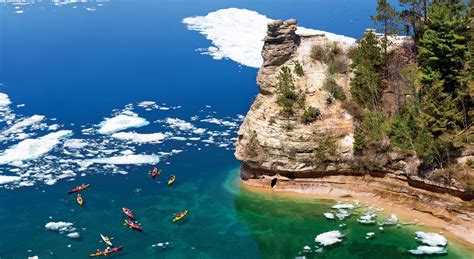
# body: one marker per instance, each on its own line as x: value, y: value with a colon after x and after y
x: 180, y: 216
x: 79, y: 199
x: 107, y: 251
x: 128, y: 213
x: 135, y: 225
x: 79, y: 188
x: 171, y: 180
x: 155, y: 172
x: 106, y: 240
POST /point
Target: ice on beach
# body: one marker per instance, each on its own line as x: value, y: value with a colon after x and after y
x: 141, y: 138
x: 29, y: 149
x: 343, y: 206
x: 238, y: 34
x: 121, y: 122
x: 329, y: 215
x: 391, y: 220
x: 122, y: 160
x: 329, y: 238
x: 431, y: 239
x: 429, y: 250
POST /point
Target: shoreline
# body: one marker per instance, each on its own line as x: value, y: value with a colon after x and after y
x: 458, y: 230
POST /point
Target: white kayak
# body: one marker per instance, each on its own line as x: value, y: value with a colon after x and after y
x: 106, y: 240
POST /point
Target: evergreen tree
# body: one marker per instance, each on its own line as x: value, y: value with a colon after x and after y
x: 367, y: 64
x: 286, y: 90
x: 413, y: 16
x: 387, y: 20
x: 442, y: 56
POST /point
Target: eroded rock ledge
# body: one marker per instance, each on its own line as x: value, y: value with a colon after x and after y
x: 283, y: 152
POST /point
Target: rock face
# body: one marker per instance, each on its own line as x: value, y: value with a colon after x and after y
x: 273, y: 145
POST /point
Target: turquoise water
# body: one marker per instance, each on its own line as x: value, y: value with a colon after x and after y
x: 76, y: 66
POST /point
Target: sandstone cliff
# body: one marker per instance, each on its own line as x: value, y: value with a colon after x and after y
x: 273, y: 146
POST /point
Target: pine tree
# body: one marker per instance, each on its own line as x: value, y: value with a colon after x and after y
x: 412, y: 16
x: 387, y: 20
x: 442, y: 56
x: 367, y: 64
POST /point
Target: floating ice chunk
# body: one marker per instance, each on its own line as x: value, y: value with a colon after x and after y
x: 33, y: 257
x: 4, y: 100
x: 238, y: 34
x: 8, y: 179
x: 19, y: 126
x: 429, y: 250
x: 369, y: 235
x: 60, y: 226
x: 341, y: 214
x: 122, y: 160
x: 221, y: 122
x: 367, y: 219
x: 141, y: 138
x: 431, y: 239
x: 29, y: 149
x: 179, y: 124
x: 75, y: 143
x: 329, y: 238
x: 343, y: 206
x: 73, y: 235
x: 329, y: 215
x: 121, y: 122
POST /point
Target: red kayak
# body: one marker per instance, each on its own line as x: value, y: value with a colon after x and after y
x: 79, y: 188
x: 155, y: 172
x: 128, y: 213
x: 135, y: 225
x: 107, y: 251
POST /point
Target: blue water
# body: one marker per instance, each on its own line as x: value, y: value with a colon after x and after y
x: 77, y: 66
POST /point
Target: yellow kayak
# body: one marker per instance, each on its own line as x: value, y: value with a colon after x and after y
x: 79, y: 199
x: 171, y: 180
x: 180, y: 216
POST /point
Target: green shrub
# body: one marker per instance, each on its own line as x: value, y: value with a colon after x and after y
x: 286, y: 91
x: 333, y: 88
x: 298, y: 69
x: 310, y: 114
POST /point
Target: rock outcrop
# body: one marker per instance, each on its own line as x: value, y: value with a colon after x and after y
x: 273, y: 145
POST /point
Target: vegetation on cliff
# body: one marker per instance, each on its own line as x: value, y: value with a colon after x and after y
x: 434, y: 124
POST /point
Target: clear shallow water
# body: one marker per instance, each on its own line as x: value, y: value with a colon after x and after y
x: 77, y: 66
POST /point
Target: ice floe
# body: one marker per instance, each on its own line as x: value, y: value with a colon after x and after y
x: 428, y: 250
x: 431, y: 239
x: 23, y: 123
x: 4, y: 100
x: 62, y: 227
x: 329, y: 238
x: 329, y: 215
x: 33, y: 148
x: 367, y: 219
x: 122, y: 122
x: 122, y: 160
x: 8, y: 179
x: 141, y: 138
x: 238, y: 34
